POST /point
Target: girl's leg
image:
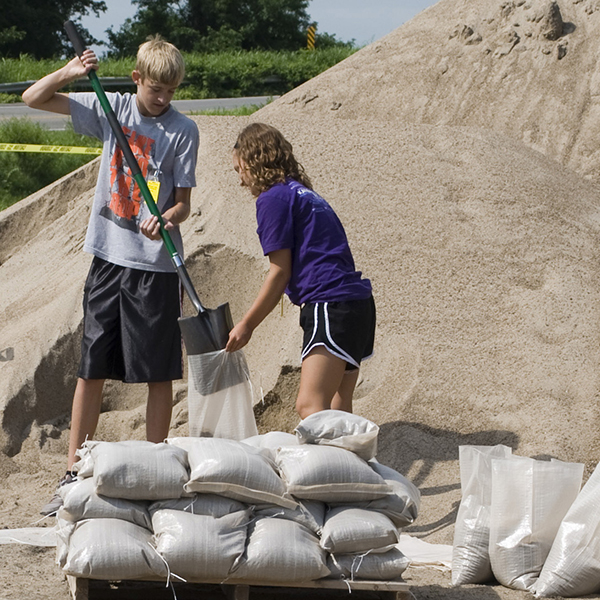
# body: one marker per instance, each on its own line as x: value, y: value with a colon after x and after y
x: 321, y: 378
x: 343, y: 397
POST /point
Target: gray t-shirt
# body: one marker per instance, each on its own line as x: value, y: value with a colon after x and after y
x: 165, y: 147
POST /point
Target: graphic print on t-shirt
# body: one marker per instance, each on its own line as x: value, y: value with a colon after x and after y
x: 125, y: 196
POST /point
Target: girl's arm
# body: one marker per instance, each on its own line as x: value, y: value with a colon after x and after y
x: 280, y: 271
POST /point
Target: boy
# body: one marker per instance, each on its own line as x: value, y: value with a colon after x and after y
x: 132, y: 294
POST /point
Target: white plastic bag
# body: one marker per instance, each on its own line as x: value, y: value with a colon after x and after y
x: 200, y: 547
x: 350, y: 530
x: 341, y: 429
x: 529, y: 500
x: 280, y: 550
x: 329, y: 474
x: 233, y: 469
x: 111, y: 549
x: 470, y: 553
x: 220, y: 396
x: 138, y: 470
x: 573, y: 565
x: 380, y: 566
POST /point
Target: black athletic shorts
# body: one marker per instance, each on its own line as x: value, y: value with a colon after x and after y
x: 346, y: 329
x: 130, y: 329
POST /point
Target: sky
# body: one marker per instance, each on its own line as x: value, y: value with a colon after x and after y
x: 361, y: 20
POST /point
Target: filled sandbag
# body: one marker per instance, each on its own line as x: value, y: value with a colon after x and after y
x: 377, y: 566
x: 329, y: 474
x: 200, y: 504
x: 272, y: 441
x: 529, y: 500
x: 470, y: 551
x: 138, y: 470
x: 349, y: 530
x: 233, y: 469
x: 112, y: 549
x: 572, y: 567
x: 201, y: 547
x: 402, y: 504
x: 220, y: 396
x: 80, y: 501
x: 309, y: 513
x: 281, y: 551
x: 341, y: 429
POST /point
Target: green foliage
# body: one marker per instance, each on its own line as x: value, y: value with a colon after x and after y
x: 215, y: 75
x: 255, y: 73
x: 23, y: 173
x: 36, y: 27
x: 216, y: 25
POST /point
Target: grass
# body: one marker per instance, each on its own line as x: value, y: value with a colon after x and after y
x: 23, y: 173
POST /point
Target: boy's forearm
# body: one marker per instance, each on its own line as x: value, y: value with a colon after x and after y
x: 43, y: 93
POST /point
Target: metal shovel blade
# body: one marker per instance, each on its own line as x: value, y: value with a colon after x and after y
x: 208, y: 331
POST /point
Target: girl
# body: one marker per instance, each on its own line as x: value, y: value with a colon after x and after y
x: 311, y: 261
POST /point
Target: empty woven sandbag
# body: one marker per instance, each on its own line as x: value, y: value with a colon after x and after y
x: 80, y: 501
x: 572, y: 567
x: 200, y: 547
x: 281, y: 551
x: 200, y: 504
x: 470, y: 551
x: 233, y: 469
x: 139, y: 470
x: 529, y: 500
x: 272, y: 441
x: 341, y: 429
x: 402, y: 505
x: 378, y: 566
x: 329, y: 474
x: 349, y: 530
x: 309, y: 513
x: 112, y: 549
x: 220, y: 396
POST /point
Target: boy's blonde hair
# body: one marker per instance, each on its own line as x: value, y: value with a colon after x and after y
x: 160, y: 61
x: 268, y: 156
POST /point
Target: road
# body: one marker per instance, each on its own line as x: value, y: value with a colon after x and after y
x: 54, y: 121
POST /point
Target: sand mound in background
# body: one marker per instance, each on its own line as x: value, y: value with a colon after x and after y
x: 527, y: 68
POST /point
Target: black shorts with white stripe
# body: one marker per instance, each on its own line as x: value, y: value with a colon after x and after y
x: 346, y: 329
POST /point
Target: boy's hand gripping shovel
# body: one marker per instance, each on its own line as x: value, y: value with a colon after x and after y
x: 209, y: 330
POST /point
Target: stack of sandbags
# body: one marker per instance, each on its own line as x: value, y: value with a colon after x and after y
x: 365, y: 502
x: 275, y: 508
x: 104, y: 527
x: 510, y: 513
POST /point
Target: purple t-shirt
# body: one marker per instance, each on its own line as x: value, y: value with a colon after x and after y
x: 291, y: 216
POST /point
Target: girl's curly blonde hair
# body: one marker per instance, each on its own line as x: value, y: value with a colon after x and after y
x: 268, y: 157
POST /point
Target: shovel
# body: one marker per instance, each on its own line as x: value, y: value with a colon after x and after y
x: 209, y: 330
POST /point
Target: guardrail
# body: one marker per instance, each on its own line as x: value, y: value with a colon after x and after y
x: 82, y: 85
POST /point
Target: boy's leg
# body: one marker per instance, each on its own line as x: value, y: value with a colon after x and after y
x: 343, y: 397
x: 320, y: 379
x: 158, y: 410
x: 87, y: 402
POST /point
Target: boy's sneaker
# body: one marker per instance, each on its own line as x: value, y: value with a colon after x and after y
x: 56, y: 501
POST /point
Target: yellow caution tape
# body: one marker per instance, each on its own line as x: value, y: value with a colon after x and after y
x: 50, y: 149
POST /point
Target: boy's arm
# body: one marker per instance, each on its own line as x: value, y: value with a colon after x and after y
x: 178, y: 213
x: 43, y: 93
x: 280, y: 271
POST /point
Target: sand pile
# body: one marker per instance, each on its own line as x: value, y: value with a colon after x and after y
x: 483, y: 255
x: 527, y: 68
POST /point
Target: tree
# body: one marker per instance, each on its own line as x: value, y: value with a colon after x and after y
x: 210, y: 25
x: 35, y: 27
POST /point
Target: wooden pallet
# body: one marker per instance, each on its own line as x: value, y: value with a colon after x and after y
x: 387, y: 590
